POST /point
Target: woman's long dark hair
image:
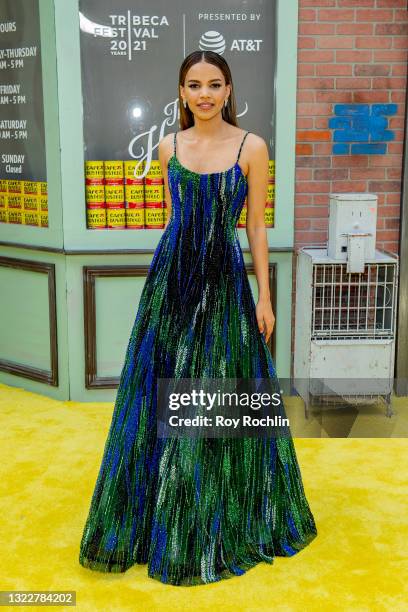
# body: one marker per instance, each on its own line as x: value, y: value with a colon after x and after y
x: 229, y: 112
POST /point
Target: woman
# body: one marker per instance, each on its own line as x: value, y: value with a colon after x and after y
x: 199, y: 510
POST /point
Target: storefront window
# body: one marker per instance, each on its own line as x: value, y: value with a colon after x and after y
x: 130, y: 60
x: 23, y: 181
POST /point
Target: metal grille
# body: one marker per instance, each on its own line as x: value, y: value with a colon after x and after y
x: 354, y: 305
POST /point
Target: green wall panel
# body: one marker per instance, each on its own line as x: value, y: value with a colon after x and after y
x: 24, y: 321
x: 117, y: 300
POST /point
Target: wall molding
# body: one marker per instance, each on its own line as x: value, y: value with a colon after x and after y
x: 48, y: 377
x: 63, y: 251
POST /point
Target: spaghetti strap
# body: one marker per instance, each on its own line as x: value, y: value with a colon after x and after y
x: 239, y: 152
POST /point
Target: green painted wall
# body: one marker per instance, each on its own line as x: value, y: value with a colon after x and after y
x: 117, y: 298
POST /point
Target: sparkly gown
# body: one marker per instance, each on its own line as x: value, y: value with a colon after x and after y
x: 195, y: 511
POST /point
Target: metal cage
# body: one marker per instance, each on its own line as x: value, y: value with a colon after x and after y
x: 345, y: 328
x: 354, y: 305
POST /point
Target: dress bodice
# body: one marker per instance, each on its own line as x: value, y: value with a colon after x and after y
x: 206, y: 198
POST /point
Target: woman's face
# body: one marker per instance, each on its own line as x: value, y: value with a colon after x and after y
x: 205, y: 84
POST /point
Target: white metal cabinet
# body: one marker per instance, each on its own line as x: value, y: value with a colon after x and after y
x: 345, y: 328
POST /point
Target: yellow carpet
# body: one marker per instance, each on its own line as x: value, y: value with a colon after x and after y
x: 357, y: 490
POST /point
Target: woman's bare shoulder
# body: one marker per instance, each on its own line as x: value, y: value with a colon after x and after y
x: 166, y: 140
x: 256, y: 143
x: 166, y: 146
x: 256, y: 156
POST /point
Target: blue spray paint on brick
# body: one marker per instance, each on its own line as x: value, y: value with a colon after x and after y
x: 361, y: 129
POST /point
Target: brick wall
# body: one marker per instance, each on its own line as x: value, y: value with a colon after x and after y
x: 351, y: 88
x: 352, y: 63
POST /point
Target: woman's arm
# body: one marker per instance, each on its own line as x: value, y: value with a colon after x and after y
x: 258, y: 163
x: 165, y: 152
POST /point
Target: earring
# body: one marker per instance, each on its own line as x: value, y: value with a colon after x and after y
x: 185, y: 103
x: 226, y: 102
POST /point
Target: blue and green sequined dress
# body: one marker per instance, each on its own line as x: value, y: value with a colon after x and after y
x: 196, y: 511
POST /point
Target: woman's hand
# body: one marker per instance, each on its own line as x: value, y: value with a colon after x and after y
x: 265, y: 317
